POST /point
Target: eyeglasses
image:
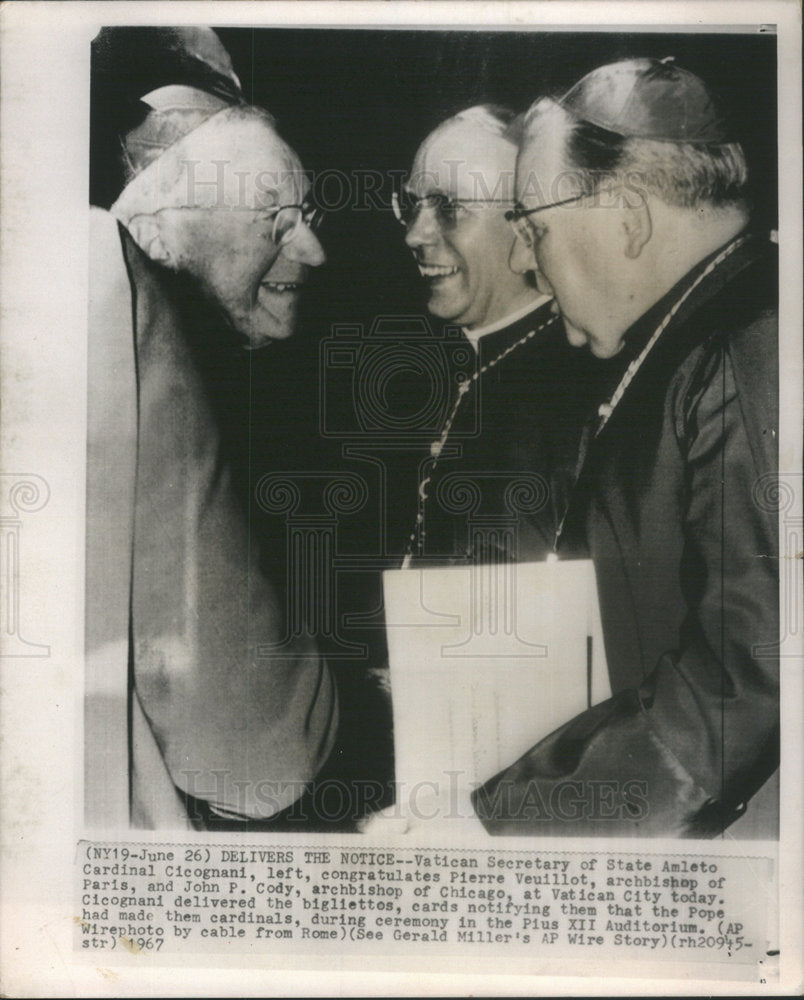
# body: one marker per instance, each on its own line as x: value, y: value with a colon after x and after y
x: 447, y: 210
x: 517, y: 217
x: 288, y: 218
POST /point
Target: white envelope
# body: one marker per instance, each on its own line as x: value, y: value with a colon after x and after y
x: 484, y: 662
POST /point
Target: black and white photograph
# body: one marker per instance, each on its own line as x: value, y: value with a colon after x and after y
x: 457, y: 308
x: 431, y: 446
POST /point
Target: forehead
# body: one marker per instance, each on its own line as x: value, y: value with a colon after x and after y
x: 265, y: 167
x: 246, y: 163
x: 541, y: 168
x: 463, y: 160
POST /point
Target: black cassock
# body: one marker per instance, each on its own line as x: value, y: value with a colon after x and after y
x: 677, y: 504
x: 496, y: 483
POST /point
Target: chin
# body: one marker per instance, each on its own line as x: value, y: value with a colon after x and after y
x: 576, y: 337
x: 604, y: 349
x: 449, y: 300
x: 257, y: 338
x: 446, y: 311
x: 265, y: 325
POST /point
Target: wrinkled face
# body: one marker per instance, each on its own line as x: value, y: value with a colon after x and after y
x: 235, y: 248
x: 462, y: 247
x: 575, y: 246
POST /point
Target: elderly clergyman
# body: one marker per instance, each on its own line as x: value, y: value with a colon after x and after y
x: 453, y: 209
x: 197, y: 707
x: 631, y: 201
x: 224, y: 203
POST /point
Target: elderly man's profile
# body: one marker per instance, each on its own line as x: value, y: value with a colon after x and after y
x: 631, y: 202
x: 194, y: 707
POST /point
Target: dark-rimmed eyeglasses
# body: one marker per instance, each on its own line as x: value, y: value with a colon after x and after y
x: 447, y: 210
x: 518, y: 218
x: 288, y: 218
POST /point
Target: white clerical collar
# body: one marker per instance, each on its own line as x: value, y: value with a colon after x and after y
x: 474, y: 335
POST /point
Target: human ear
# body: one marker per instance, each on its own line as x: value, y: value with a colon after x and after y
x: 146, y: 230
x: 637, y: 229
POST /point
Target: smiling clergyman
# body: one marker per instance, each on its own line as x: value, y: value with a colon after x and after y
x: 528, y: 378
x: 213, y: 718
x: 240, y: 227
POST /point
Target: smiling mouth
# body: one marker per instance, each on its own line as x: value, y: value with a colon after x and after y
x: 435, y: 271
x: 281, y: 286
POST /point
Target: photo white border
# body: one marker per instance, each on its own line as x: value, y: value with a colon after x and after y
x: 44, y: 148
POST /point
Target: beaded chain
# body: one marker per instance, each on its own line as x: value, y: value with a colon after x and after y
x: 606, y: 409
x: 437, y: 446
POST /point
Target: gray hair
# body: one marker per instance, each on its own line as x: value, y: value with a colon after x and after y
x: 681, y: 174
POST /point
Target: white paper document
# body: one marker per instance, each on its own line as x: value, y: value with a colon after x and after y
x: 485, y: 661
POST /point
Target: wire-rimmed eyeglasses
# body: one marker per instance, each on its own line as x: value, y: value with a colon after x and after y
x: 288, y: 218
x: 447, y: 210
x: 518, y: 218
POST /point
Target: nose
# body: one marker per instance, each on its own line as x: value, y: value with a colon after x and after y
x: 304, y: 248
x: 423, y: 230
x: 522, y: 258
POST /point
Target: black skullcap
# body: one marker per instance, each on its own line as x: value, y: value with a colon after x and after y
x: 130, y: 62
x: 648, y: 99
